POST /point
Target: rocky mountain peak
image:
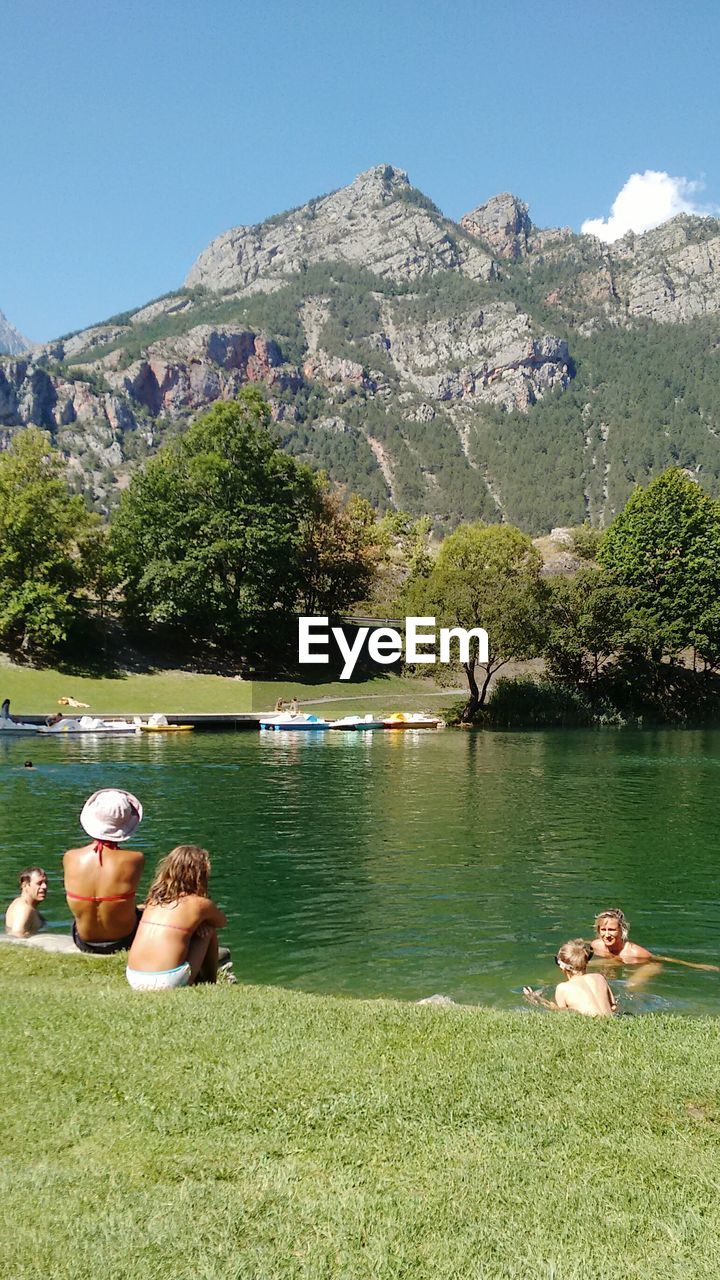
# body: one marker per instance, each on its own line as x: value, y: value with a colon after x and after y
x: 379, y: 182
x: 379, y: 222
x: 12, y: 342
x: 503, y: 223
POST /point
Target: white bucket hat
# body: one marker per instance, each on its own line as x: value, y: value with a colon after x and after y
x: 111, y: 815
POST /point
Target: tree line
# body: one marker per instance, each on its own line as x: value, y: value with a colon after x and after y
x: 222, y: 538
x: 635, y: 633
x: 215, y: 544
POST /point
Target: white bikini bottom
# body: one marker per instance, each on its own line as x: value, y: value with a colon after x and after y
x: 165, y: 980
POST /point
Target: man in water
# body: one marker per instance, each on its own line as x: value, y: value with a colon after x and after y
x: 611, y: 942
x: 22, y: 917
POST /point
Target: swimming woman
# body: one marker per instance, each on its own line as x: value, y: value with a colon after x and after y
x: 611, y: 942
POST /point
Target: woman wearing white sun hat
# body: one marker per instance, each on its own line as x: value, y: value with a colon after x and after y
x: 101, y: 878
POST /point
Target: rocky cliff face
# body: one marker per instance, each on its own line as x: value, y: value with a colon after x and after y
x: 12, y: 341
x: 374, y: 223
x: 390, y: 341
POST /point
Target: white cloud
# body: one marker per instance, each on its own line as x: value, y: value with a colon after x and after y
x: 646, y: 200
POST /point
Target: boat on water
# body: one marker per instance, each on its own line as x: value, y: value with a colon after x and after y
x: 8, y: 725
x: 411, y: 720
x: 357, y: 722
x: 158, y: 723
x: 16, y: 726
x: 88, y: 724
x: 282, y: 720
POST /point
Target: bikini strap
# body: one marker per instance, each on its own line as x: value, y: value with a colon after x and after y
x: 99, y: 845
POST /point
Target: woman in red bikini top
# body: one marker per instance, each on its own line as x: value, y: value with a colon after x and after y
x: 101, y: 878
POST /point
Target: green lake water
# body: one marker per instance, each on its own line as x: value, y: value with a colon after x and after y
x: 405, y: 864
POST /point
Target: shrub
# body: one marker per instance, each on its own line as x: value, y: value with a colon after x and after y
x: 524, y: 703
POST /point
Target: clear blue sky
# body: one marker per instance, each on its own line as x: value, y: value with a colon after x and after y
x: 134, y: 131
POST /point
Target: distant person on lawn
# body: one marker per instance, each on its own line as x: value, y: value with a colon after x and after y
x: 22, y: 918
x: 581, y: 992
x: 176, y: 943
x: 611, y: 942
x: 101, y: 878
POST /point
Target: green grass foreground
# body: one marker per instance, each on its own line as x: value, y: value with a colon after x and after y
x: 246, y: 1133
x: 35, y: 691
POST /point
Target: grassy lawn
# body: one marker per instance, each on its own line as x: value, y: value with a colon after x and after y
x: 36, y: 692
x: 253, y: 1134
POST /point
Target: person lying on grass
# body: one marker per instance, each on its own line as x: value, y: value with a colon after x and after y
x: 176, y: 942
x: 22, y: 918
x: 101, y: 878
x: 611, y: 942
x: 582, y: 992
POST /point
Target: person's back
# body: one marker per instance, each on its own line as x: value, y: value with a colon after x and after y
x: 176, y: 941
x: 587, y: 993
x: 101, y: 879
x: 162, y: 940
x: 101, y: 886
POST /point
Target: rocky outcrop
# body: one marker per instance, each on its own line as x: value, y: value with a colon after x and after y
x: 322, y: 367
x: 12, y: 342
x: 175, y: 377
x: 173, y: 305
x: 672, y: 273
x: 487, y: 355
x: 100, y: 335
x: 503, y: 223
x: 376, y: 222
x: 186, y: 373
x: 27, y: 395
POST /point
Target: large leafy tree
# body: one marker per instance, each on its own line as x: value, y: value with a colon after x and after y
x: 486, y: 576
x: 41, y: 533
x: 663, y: 550
x: 586, y: 620
x: 340, y: 552
x: 209, y: 535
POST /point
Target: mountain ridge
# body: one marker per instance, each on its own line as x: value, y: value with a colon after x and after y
x: 479, y: 369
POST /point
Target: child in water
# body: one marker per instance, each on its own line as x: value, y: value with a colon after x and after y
x: 582, y: 992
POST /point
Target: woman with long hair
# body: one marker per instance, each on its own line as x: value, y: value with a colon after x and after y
x: 176, y: 942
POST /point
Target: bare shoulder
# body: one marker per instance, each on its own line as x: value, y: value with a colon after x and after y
x: 18, y: 917
x: 560, y: 1000
x: 195, y: 906
x: 633, y: 951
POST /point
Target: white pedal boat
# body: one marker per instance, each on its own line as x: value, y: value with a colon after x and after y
x: 283, y: 721
x: 89, y: 724
x: 357, y: 722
